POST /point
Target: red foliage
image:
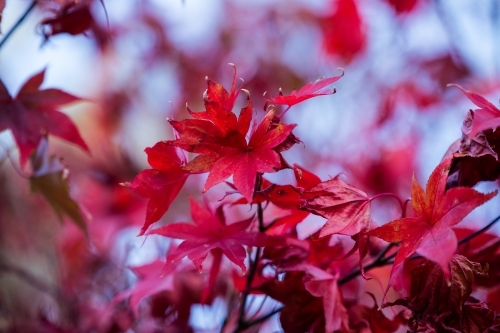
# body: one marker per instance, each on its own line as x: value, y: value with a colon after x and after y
x: 436, y: 212
x: 314, y: 254
x: 210, y: 231
x: 160, y: 184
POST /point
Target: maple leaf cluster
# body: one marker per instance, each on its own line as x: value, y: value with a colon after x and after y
x: 249, y: 246
x: 310, y: 277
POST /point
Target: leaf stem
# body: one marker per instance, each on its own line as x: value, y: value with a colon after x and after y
x: 388, y: 194
x: 18, y: 23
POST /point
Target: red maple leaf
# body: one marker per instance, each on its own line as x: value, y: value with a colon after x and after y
x: 160, y: 184
x: 322, y: 284
x: 346, y: 207
x: 286, y: 197
x: 309, y: 90
x: 225, y: 152
x: 73, y: 18
x: 33, y: 113
x: 486, y: 117
x: 210, y: 231
x: 436, y: 212
x: 219, y: 104
x: 323, y: 267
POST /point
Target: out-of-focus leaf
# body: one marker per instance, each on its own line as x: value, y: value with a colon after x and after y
x: 50, y: 178
x: 33, y: 113
x: 344, y: 31
x: 73, y: 18
x: 486, y: 117
x: 402, y: 6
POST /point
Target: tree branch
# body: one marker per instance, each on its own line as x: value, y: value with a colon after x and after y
x: 253, y: 263
x: 381, y: 261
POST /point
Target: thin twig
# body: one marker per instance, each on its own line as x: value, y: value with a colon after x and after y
x: 265, y: 317
x: 385, y: 251
x: 18, y: 23
x: 253, y: 263
x: 379, y: 261
x: 246, y: 292
x: 260, y: 307
x: 478, y: 232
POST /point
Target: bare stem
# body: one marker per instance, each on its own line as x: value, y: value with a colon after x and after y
x: 480, y: 231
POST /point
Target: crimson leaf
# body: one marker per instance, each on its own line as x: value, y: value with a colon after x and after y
x: 33, y: 113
